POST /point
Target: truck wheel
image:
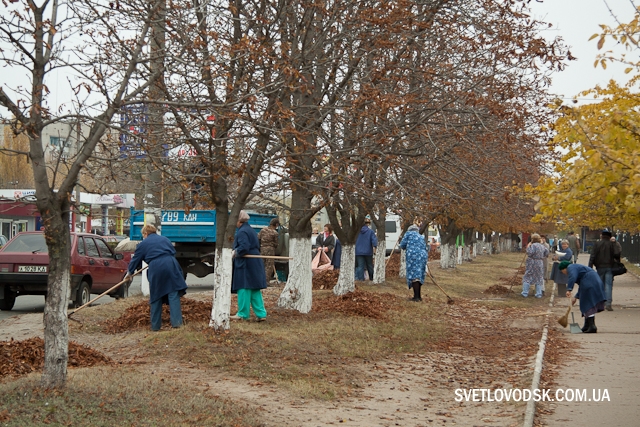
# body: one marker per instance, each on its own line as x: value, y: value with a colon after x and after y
x: 83, y: 295
x: 9, y: 300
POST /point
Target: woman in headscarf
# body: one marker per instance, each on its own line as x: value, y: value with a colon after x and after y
x: 590, y: 292
x: 564, y: 255
x: 166, y: 280
x: 534, y: 273
x: 416, y: 260
x: 249, y: 277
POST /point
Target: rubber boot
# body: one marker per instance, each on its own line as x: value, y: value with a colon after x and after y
x: 586, y: 324
x: 418, y: 286
x: 591, y: 329
x: 416, y: 291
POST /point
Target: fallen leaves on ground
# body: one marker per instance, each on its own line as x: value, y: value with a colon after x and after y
x: 497, y: 290
x: 512, y: 280
x: 358, y: 303
x: 139, y: 315
x: 326, y: 279
x: 23, y: 357
x: 393, y: 265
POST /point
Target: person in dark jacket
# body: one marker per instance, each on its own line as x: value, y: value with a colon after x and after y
x: 589, y: 292
x: 603, y: 253
x: 366, y: 244
x: 166, y: 280
x: 337, y: 255
x: 249, y: 277
x: 326, y: 241
x: 574, y: 245
x: 268, y: 241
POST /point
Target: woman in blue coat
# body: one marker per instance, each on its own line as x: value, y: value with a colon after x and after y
x: 166, y: 282
x: 249, y: 277
x: 590, y: 292
x: 416, y: 258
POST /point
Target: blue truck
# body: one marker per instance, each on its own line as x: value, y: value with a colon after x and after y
x: 193, y: 234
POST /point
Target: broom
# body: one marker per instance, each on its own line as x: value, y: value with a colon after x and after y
x: 564, y: 320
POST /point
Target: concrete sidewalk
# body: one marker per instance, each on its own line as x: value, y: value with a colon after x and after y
x: 612, y: 356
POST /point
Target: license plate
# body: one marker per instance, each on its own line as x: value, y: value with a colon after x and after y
x: 32, y: 268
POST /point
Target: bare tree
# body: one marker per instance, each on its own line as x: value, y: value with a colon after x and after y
x: 105, y: 69
x: 221, y: 99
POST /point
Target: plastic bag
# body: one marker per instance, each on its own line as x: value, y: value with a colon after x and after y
x: 320, y: 262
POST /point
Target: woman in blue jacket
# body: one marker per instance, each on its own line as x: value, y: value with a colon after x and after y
x: 249, y: 277
x: 590, y: 292
x: 166, y: 280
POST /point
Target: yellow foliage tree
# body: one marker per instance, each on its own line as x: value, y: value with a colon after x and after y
x: 596, y: 180
x: 15, y: 172
x: 625, y: 35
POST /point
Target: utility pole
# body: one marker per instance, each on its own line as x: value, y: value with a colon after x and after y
x: 155, y: 129
x: 155, y: 121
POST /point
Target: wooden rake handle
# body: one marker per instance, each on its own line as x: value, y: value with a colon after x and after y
x: 106, y: 292
x: 267, y: 257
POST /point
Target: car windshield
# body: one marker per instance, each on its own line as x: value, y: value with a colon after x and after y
x: 33, y: 243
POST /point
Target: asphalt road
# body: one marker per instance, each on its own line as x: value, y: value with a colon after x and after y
x: 35, y: 303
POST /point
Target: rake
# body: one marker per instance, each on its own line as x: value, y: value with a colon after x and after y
x: 449, y: 299
x: 516, y: 275
x: 114, y: 287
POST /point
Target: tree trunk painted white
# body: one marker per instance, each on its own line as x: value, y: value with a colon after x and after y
x: 403, y: 264
x: 448, y: 255
x: 297, y: 294
x: 144, y: 282
x: 459, y: 255
x: 346, y: 279
x: 379, y: 264
x: 444, y: 253
x: 506, y: 245
x: 222, y: 290
x: 56, y: 330
x: 466, y: 253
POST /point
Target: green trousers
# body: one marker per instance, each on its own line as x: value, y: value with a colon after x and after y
x: 250, y: 298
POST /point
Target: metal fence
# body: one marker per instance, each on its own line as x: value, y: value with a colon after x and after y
x: 630, y: 246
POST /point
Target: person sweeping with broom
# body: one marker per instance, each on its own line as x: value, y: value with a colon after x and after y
x: 590, y: 292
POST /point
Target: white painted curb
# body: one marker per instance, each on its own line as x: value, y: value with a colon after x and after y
x: 530, y: 412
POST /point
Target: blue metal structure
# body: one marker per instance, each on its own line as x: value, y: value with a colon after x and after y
x: 196, y: 226
x: 193, y: 234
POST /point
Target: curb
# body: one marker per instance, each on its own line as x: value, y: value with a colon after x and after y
x: 530, y: 412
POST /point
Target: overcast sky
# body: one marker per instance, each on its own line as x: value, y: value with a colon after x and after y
x: 576, y: 21
x: 573, y: 20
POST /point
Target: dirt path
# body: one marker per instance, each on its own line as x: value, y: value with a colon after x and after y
x: 411, y: 393
x: 484, y: 351
x: 21, y: 327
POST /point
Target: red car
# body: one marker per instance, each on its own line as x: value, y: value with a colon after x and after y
x: 24, y: 267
